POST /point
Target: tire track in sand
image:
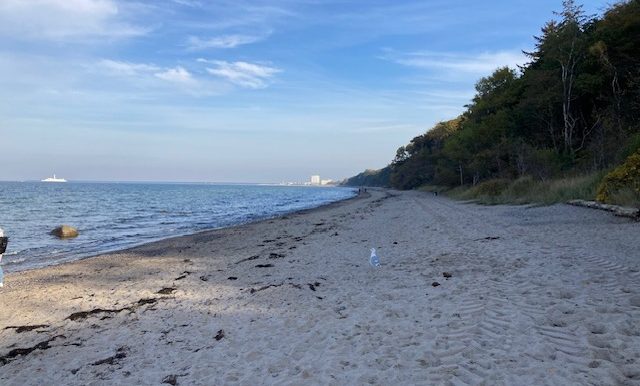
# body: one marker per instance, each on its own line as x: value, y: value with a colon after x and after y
x: 481, y: 329
x: 618, y: 281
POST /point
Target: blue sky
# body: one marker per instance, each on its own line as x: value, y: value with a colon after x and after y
x: 240, y: 91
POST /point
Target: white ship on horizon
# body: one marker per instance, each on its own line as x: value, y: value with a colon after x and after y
x: 53, y: 179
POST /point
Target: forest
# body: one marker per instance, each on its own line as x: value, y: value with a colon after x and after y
x: 572, y: 113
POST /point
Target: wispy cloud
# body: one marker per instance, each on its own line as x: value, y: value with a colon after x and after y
x: 64, y: 19
x: 238, y: 16
x: 249, y: 75
x: 195, y: 43
x: 478, y: 64
x: 189, y: 3
x: 126, y: 68
x: 176, y: 75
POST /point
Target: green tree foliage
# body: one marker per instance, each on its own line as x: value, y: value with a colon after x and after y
x: 575, y: 107
x: 419, y: 161
x: 370, y: 178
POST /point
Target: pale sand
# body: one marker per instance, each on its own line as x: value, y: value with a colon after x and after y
x: 544, y: 296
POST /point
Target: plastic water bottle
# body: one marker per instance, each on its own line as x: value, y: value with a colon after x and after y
x: 374, y: 260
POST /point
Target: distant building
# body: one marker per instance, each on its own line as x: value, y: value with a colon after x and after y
x: 326, y: 182
x: 315, y: 180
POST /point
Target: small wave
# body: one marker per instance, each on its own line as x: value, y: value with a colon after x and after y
x: 15, y: 261
x: 133, y: 218
x: 122, y: 227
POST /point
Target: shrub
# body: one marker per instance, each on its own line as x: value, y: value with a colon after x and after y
x: 633, y: 145
x: 527, y: 190
x: 570, y: 188
x: 546, y: 163
x: 624, y: 177
x: 490, y: 188
x: 521, y: 187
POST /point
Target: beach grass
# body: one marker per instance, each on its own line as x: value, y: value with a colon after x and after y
x: 527, y: 190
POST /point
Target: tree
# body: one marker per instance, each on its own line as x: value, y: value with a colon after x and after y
x: 574, y: 107
x: 568, y: 49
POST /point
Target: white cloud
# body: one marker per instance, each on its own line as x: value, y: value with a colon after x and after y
x: 176, y: 75
x: 249, y: 75
x: 226, y: 41
x: 126, y: 68
x: 479, y: 64
x: 143, y: 71
x: 63, y: 19
x: 189, y: 3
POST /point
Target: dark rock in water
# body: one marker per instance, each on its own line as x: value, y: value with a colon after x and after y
x: 219, y: 335
x: 435, y: 284
x: 446, y: 275
x: 65, y: 232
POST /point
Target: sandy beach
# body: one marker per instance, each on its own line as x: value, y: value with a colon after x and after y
x: 532, y: 296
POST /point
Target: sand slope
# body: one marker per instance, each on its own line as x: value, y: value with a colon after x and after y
x: 545, y: 296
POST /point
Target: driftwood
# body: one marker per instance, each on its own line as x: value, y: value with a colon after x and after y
x: 617, y: 210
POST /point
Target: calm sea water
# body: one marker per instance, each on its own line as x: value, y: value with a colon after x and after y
x: 112, y: 216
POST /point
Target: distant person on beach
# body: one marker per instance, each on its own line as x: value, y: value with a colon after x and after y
x: 3, y: 247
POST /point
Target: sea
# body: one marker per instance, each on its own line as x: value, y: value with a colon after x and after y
x: 114, y: 216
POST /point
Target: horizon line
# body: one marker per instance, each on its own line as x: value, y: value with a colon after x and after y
x: 285, y: 183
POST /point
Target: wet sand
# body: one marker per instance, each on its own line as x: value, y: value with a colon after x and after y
x: 466, y: 294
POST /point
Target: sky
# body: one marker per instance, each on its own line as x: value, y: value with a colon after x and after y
x: 241, y: 91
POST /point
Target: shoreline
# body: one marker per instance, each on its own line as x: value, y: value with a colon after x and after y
x: 524, y: 296
x: 213, y: 231
x: 143, y: 243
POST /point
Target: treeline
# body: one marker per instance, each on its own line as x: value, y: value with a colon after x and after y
x: 370, y: 177
x: 573, y: 109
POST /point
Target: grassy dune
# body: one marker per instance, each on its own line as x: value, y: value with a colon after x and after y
x: 527, y: 190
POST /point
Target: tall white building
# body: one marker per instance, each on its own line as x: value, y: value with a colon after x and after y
x: 315, y: 180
